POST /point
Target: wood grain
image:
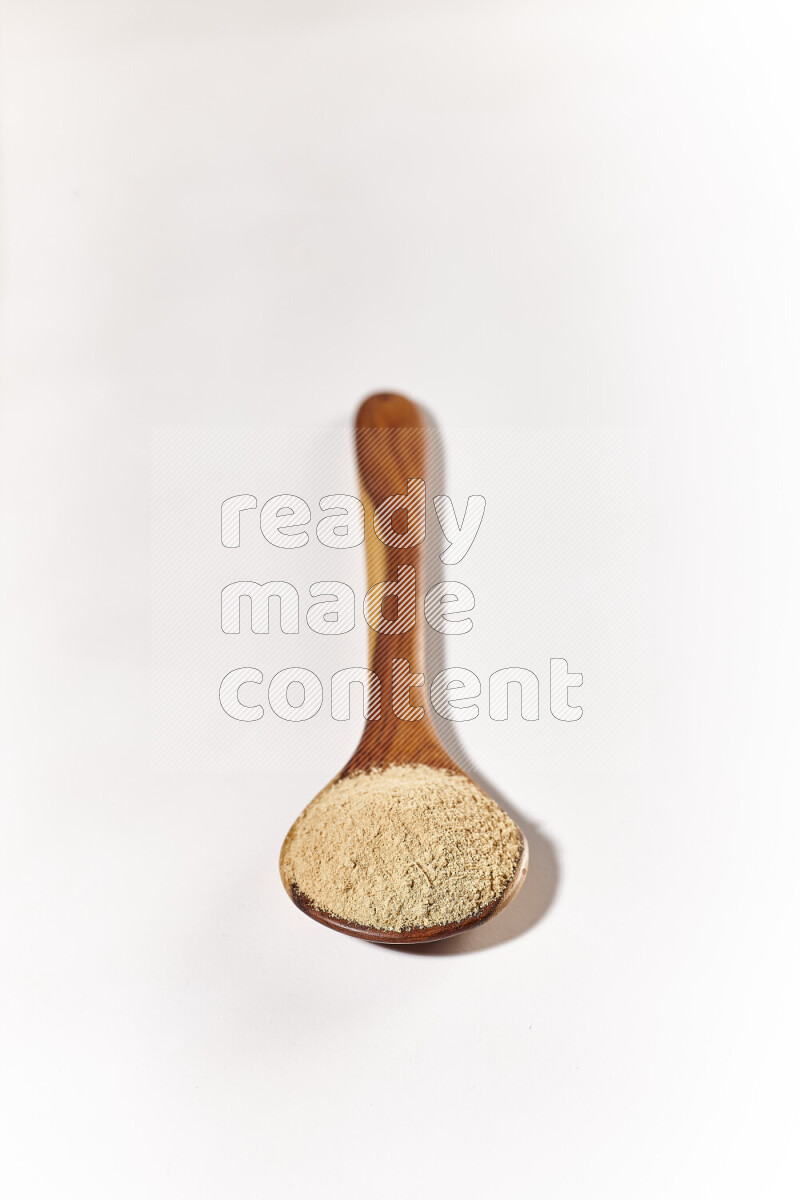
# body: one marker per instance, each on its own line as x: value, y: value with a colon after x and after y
x: 392, y: 447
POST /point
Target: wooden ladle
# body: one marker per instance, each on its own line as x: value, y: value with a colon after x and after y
x: 391, y: 447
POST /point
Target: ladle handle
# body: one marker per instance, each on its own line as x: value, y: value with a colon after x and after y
x: 392, y: 452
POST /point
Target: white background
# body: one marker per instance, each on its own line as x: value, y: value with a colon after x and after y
x: 541, y: 216
x: 558, y: 569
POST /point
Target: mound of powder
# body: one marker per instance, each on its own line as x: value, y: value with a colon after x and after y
x: 400, y: 848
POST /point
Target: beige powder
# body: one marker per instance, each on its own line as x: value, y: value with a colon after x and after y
x: 401, y: 848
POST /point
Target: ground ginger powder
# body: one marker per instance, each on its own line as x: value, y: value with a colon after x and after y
x: 405, y: 847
